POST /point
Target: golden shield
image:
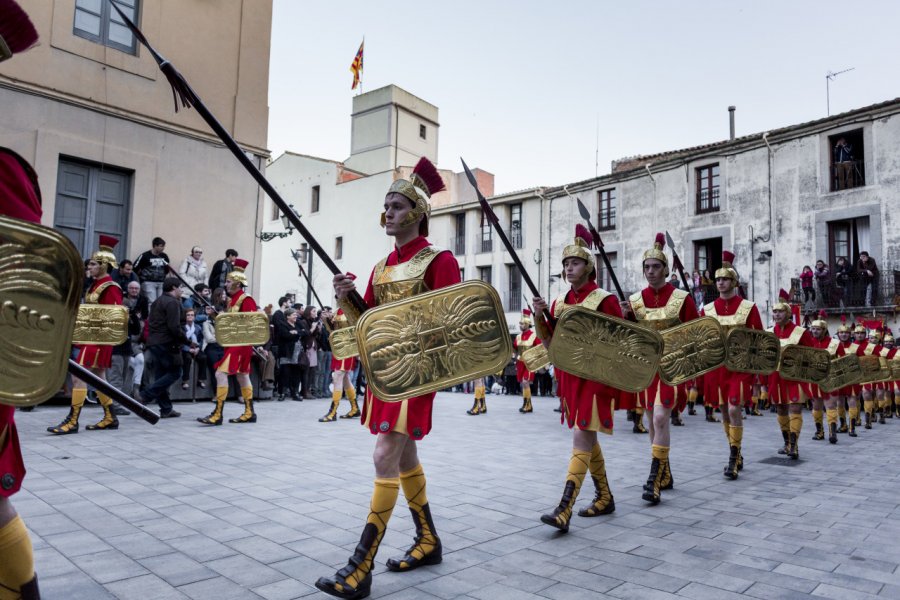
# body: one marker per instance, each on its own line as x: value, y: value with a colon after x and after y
x: 844, y: 371
x: 895, y: 369
x: 752, y: 351
x: 433, y: 341
x: 871, y: 368
x: 40, y: 286
x: 606, y: 349
x: 535, y: 357
x: 691, y: 349
x: 885, y: 373
x: 101, y: 325
x: 343, y: 343
x: 802, y: 363
x: 242, y: 329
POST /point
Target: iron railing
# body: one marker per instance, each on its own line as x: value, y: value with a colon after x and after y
x: 847, y: 175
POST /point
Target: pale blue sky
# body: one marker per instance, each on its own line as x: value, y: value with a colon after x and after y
x: 520, y: 85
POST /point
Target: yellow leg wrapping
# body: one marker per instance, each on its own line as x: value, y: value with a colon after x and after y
x: 578, y: 467
x: 817, y: 416
x: 692, y: 395
x: 869, y: 406
x: 831, y: 415
x: 784, y: 422
x: 603, y: 496
x: 384, y: 498
x: 16, y: 558
x: 796, y: 423
x: 727, y: 428
x: 737, y: 435
x: 854, y: 412
x: 413, y: 484
x: 842, y: 412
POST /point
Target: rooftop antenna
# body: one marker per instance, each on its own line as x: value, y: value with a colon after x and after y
x: 597, y: 150
x: 829, y: 76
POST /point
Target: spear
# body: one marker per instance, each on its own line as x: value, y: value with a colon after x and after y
x: 182, y: 91
x: 105, y: 387
x: 492, y: 217
x: 599, y: 243
x: 676, y: 262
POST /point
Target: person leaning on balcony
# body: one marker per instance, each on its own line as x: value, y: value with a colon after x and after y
x: 822, y: 274
x: 843, y: 164
x: 868, y: 276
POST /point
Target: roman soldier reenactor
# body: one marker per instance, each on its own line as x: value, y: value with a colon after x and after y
x: 788, y: 396
x: 588, y: 404
x: 413, y: 267
x: 97, y: 358
x: 724, y: 388
x: 237, y: 358
x: 526, y: 340
x: 885, y: 388
x: 867, y: 343
x: 340, y: 376
x: 479, y: 407
x: 660, y: 306
x: 846, y: 393
x: 819, y: 331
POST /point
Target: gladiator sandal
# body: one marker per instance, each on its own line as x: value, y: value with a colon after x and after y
x: 795, y: 450
x: 654, y: 481
x: 843, y: 426
x: 426, y: 548
x: 29, y: 590
x: 710, y: 414
x: 832, y: 433
x: 354, y: 405
x: 731, y: 471
x: 70, y: 423
x: 820, y: 432
x: 852, y: 422
x: 109, y: 420
x: 483, y: 404
x: 668, y: 482
x: 248, y: 415
x: 676, y: 419
x: 18, y: 562
x: 355, y: 580
x: 526, y: 401
x: 476, y: 408
x: 692, y: 401
x: 331, y: 415
x: 603, y: 503
x: 639, y: 421
x: 868, y: 420
x: 881, y: 415
x: 562, y: 514
x: 786, y: 449
x: 215, y: 417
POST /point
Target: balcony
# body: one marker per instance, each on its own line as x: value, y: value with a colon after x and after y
x: 487, y: 245
x: 458, y: 245
x: 512, y: 301
x: 851, y: 294
x: 848, y: 175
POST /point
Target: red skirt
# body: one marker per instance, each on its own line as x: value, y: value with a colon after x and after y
x: 588, y: 405
x: 782, y: 391
x: 12, y: 468
x: 668, y: 396
x: 95, y: 357
x: 523, y: 374
x: 722, y: 385
x: 411, y: 417
x: 348, y: 364
x: 236, y: 360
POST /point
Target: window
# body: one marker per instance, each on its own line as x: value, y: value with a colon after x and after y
x: 846, y: 239
x: 484, y: 274
x: 607, y: 216
x: 89, y: 201
x: 848, y: 165
x: 605, y: 279
x: 515, y: 225
x: 97, y: 21
x: 708, y: 188
x: 459, y: 241
x: 514, y: 296
x: 276, y: 212
x: 314, y: 206
x: 422, y: 131
x: 486, y: 241
x: 462, y: 274
x: 708, y: 258
x: 338, y: 247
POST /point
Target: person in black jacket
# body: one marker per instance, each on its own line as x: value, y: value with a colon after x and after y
x: 287, y: 337
x: 222, y: 268
x: 164, y: 343
x: 151, y: 267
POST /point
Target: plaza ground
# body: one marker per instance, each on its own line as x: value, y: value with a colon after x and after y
x: 179, y: 510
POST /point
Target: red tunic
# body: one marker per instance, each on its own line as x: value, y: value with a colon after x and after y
x: 100, y: 357
x: 782, y: 391
x: 19, y: 198
x: 528, y: 339
x: 877, y: 350
x: 237, y: 358
x: 588, y: 404
x: 722, y: 386
x: 849, y: 390
x: 658, y: 391
x: 413, y: 416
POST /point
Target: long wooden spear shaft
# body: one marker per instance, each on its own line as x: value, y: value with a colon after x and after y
x: 105, y: 387
x: 182, y: 91
x: 586, y: 215
x: 676, y: 262
x: 492, y: 217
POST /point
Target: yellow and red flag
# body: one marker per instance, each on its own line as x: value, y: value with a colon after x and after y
x: 356, y: 66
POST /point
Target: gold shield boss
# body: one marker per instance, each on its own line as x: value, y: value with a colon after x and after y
x: 536, y: 357
x: 802, y: 363
x: 242, y: 329
x: 606, y: 349
x: 752, y: 351
x: 41, y: 276
x: 691, y: 349
x: 343, y: 343
x: 433, y: 341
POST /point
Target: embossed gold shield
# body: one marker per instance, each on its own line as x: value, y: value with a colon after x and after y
x: 535, y: 357
x: 101, y: 325
x: 884, y: 373
x: 844, y: 371
x: 895, y: 369
x: 871, y: 369
x: 433, y: 341
x: 606, y: 349
x: 242, y: 329
x: 752, y: 351
x: 802, y: 363
x: 691, y: 349
x: 343, y: 343
x: 41, y: 276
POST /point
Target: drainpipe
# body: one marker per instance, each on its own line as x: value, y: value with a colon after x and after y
x: 770, y: 163
x: 541, y: 242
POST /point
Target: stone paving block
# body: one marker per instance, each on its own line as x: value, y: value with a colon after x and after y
x: 201, y: 548
x: 177, y: 569
x: 110, y: 565
x: 217, y: 588
x: 798, y: 584
x: 769, y: 592
x: 145, y: 587
x: 837, y: 579
x: 73, y: 586
x: 634, y: 591
x: 285, y: 589
x: 838, y: 593
x: 731, y: 583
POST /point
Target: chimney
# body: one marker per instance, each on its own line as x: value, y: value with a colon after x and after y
x: 731, y: 110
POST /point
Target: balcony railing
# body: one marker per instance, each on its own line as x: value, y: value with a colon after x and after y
x: 847, y: 175
x: 708, y: 200
x: 513, y: 301
x: 851, y: 293
x: 487, y: 245
x: 515, y: 236
x: 458, y: 245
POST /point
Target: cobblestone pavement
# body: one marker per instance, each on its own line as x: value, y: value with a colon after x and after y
x: 261, y: 511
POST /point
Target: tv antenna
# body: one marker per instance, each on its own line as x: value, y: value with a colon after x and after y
x: 829, y: 77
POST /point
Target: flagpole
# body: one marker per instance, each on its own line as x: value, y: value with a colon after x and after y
x: 362, y: 66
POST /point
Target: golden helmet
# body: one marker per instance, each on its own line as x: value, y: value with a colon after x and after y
x: 237, y: 273
x: 424, y: 182
x: 104, y: 255
x: 727, y: 269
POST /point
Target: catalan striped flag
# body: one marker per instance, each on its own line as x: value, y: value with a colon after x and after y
x: 356, y: 66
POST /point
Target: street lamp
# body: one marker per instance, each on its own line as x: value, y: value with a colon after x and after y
x: 268, y: 236
x: 301, y: 255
